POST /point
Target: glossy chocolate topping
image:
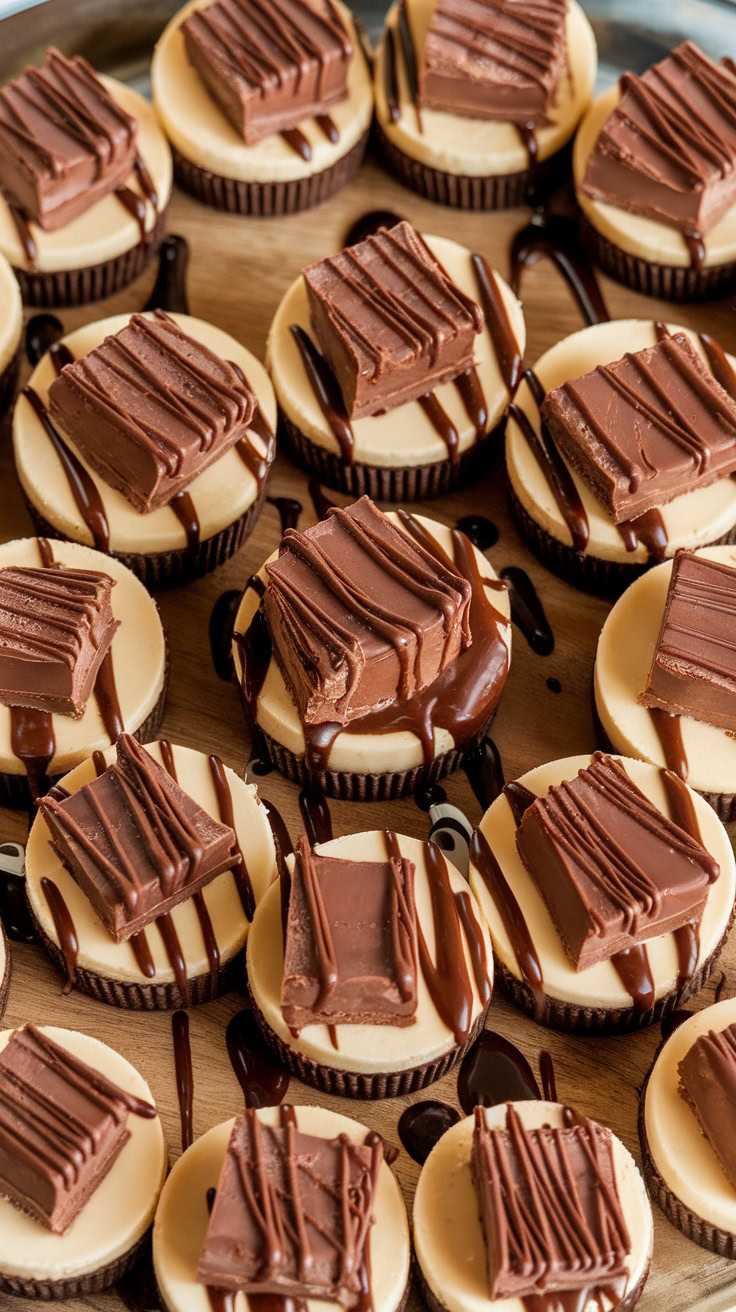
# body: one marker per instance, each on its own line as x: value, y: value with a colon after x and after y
x: 693, y: 670
x: 135, y: 842
x: 150, y: 408
x: 389, y: 321
x: 612, y: 869
x: 645, y: 429
x: 708, y: 1085
x: 56, y: 627
x: 62, y: 1124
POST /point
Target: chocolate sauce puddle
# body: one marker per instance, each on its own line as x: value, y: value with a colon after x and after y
x: 553, y: 467
x: 483, y: 533
x: 65, y: 930
x: 558, y: 239
x: 422, y: 1125
x: 222, y: 621
x: 14, y: 914
x: 42, y: 331
x: 184, y: 1076
x: 484, y: 770
x: 494, y: 1071
x: 263, y: 1081
x: 527, y: 611
x: 316, y: 816
x: 82, y: 487
x: 370, y: 223
x: 289, y: 511
x: 170, y: 288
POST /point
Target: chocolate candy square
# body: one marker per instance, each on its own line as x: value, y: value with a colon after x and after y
x: 708, y: 1085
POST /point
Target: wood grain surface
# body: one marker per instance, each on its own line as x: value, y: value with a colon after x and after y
x: 238, y: 271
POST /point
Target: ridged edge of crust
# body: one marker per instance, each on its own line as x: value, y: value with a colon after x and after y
x: 88, y: 1282
x: 68, y: 287
x: 668, y: 282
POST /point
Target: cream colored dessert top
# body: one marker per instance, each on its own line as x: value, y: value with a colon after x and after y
x: 138, y: 657
x: 119, y: 1211
x: 599, y: 985
x: 404, y: 435
x: 690, y: 520
x: 98, y: 952
x: 361, y: 752
x: 640, y: 236
x: 181, y: 1220
x: 681, y: 1153
x: 11, y: 319
x: 624, y: 656
x: 448, y: 1237
x: 364, y: 1048
x: 198, y: 129
x: 474, y: 146
x: 220, y: 494
x: 107, y: 229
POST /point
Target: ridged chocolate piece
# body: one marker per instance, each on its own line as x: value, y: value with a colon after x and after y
x: 693, y: 670
x: 135, y: 842
x: 64, y: 142
x: 708, y: 1084
x: 269, y: 64
x: 494, y: 59
x: 668, y: 150
x: 361, y: 614
x: 612, y: 869
x: 550, y: 1209
x: 350, y: 956
x: 389, y: 321
x: 56, y: 627
x: 62, y: 1125
x: 647, y: 428
x: 150, y: 408
x: 292, y: 1213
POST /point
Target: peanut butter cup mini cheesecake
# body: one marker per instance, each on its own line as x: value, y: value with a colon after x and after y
x: 620, y: 448
x: 143, y: 871
x: 369, y: 969
x: 85, y: 181
x: 608, y: 888
x: 528, y: 1204
x: 11, y: 333
x: 393, y: 363
x: 476, y: 99
x: 82, y: 1162
x: 371, y: 651
x: 296, y: 1203
x: 267, y: 107
x: 151, y: 437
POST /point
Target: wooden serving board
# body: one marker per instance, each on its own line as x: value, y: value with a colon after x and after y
x: 239, y: 269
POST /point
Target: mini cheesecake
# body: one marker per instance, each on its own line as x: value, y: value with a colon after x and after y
x: 589, y: 942
x: 6, y: 966
x: 11, y: 332
x: 445, y: 375
x: 474, y: 105
x: 77, y: 1202
x: 178, y: 943
x: 590, y: 503
x: 170, y: 510
x: 185, y: 1234
x: 463, y: 1232
x: 337, y: 1016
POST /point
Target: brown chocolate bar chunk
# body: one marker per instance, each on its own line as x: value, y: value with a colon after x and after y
x: 361, y: 615
x: 135, y: 842
x: 668, y: 150
x: 708, y: 1085
x: 56, y: 626
x: 612, y: 869
x: 64, y: 142
x: 269, y: 64
x: 62, y: 1125
x: 150, y: 408
x: 649, y: 427
x: 693, y: 670
x: 494, y: 59
x: 389, y: 321
x: 549, y: 1204
x: 350, y: 955
x: 292, y: 1213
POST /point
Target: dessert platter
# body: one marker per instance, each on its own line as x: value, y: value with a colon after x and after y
x: 367, y: 665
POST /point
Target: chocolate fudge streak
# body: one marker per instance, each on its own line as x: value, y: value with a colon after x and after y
x: 81, y: 485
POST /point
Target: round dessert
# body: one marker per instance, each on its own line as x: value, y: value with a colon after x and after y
x: 453, y: 983
x: 683, y: 1112
x: 634, y: 986
x: 448, y: 1232
x: 442, y: 444
x: 390, y: 752
x: 108, y: 1233
x: 192, y: 957
x: 182, y: 1217
x: 561, y: 520
x: 702, y: 753
x: 129, y: 692
x: 11, y: 332
x: 454, y: 157
x: 6, y: 967
x: 198, y: 529
x: 282, y: 172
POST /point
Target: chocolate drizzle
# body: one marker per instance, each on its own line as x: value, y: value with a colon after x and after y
x: 498, y: 323
x: 324, y: 385
x: 42, y: 331
x: 65, y: 930
x: 289, y: 511
x: 559, y: 479
x: 409, y: 53
x: 106, y: 694
x: 511, y: 914
x: 81, y: 485
x: 263, y: 1081
x: 316, y: 816
x: 226, y: 814
x: 494, y: 1071
x: 169, y: 291
x: 669, y: 732
x: 25, y: 236
x: 222, y: 621
x: 32, y: 742
x: 422, y: 1124
x: 484, y: 769
x: 527, y: 611
x: 720, y: 365
x: 558, y: 238
x: 184, y: 1076
x: 186, y: 513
